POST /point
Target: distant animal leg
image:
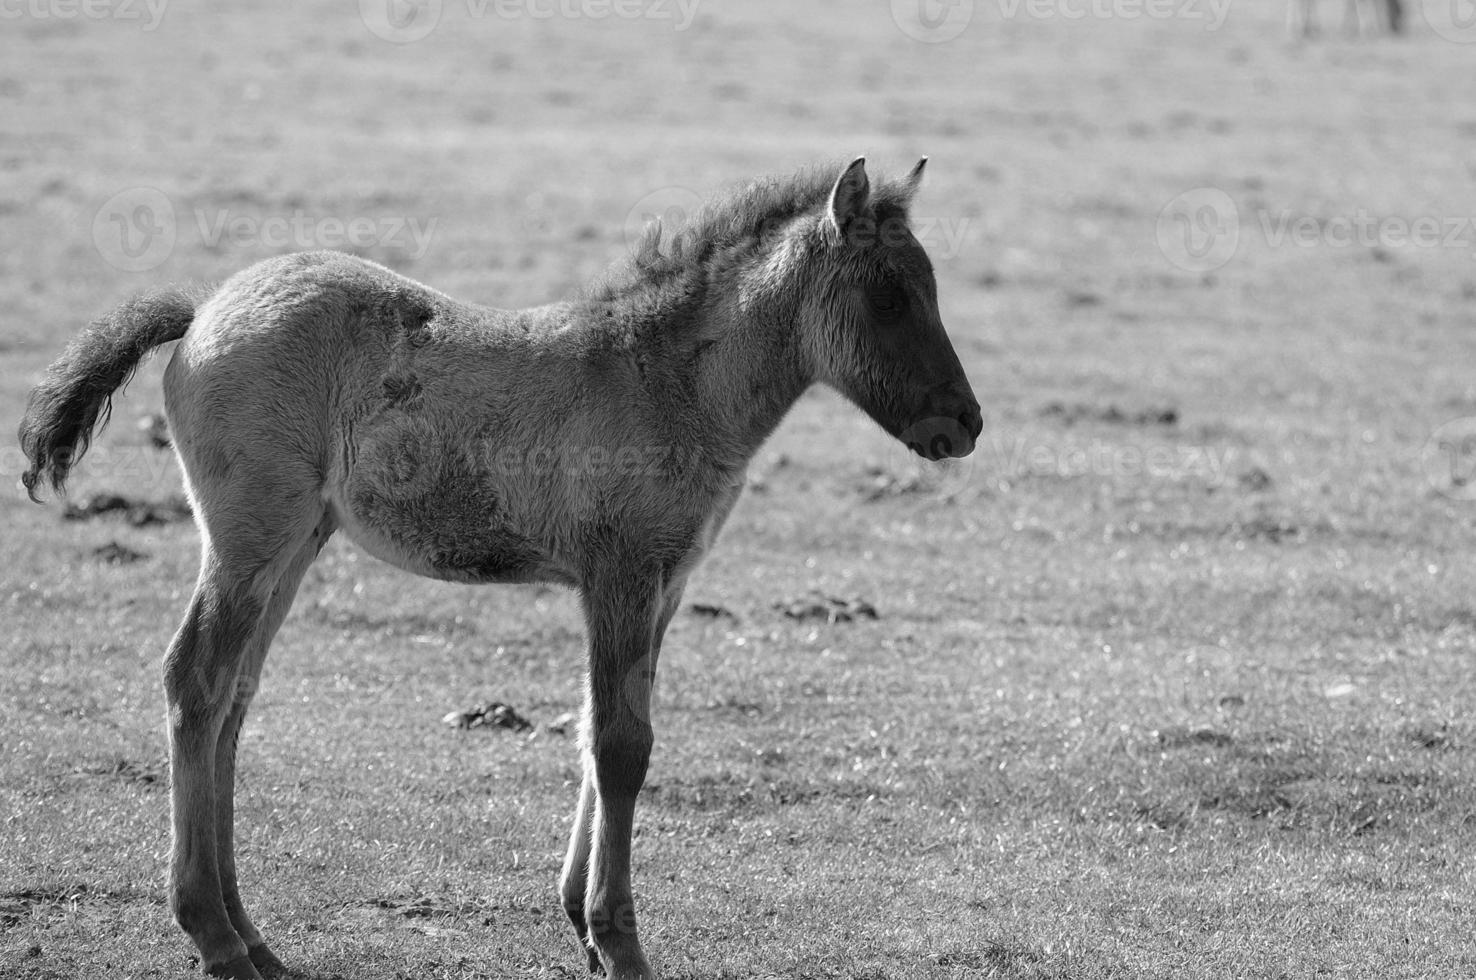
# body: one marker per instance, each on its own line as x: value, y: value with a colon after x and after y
x: 1301, y: 18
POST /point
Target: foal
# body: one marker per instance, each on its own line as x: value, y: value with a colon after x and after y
x: 599, y: 443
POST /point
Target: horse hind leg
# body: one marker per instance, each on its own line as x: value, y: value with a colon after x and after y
x: 200, y: 681
x: 243, y: 591
x: 247, y: 684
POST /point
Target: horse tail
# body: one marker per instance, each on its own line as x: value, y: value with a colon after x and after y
x: 76, y: 396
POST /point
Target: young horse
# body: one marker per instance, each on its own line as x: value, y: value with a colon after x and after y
x: 599, y: 443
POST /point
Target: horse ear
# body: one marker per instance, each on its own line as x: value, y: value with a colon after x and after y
x: 914, y: 179
x: 849, y: 197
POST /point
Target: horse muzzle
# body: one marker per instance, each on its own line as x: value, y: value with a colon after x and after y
x: 945, y: 431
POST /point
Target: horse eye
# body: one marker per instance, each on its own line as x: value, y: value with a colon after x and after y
x: 885, y: 301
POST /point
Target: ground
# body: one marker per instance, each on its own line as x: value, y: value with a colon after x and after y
x: 1172, y: 678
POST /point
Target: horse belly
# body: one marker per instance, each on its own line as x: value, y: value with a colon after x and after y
x: 414, y: 498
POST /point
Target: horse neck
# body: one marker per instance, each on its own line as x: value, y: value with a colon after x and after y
x: 740, y: 365
x: 752, y: 372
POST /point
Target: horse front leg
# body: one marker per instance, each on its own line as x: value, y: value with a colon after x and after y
x: 623, y: 614
x: 574, y: 881
x: 575, y: 877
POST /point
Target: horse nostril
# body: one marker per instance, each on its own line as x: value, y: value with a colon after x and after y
x: 940, y: 447
x: 973, y: 422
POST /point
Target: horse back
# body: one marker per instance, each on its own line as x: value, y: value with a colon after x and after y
x: 456, y: 441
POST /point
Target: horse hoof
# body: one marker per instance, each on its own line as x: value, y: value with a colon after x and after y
x: 267, y: 964
x: 240, y: 968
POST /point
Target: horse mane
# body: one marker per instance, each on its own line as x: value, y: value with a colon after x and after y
x: 730, y: 227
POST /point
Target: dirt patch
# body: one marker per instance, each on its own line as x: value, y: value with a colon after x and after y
x: 129, y: 771
x: 829, y: 608
x: 114, y: 553
x: 493, y: 714
x: 136, y: 512
x: 709, y: 610
x: 21, y: 903
x: 1441, y: 737
x: 1179, y: 737
x: 1349, y: 804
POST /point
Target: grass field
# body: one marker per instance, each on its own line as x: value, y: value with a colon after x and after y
x: 1172, y: 679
